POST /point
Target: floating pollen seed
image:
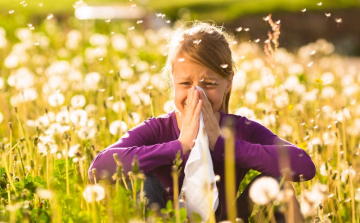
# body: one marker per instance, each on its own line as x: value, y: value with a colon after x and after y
x: 267, y: 41
x: 112, y: 33
x: 202, y: 79
x: 108, y: 20
x: 257, y: 40
x: 181, y: 59
x: 246, y: 29
x: 40, y: 4
x: 303, y: 10
x: 266, y: 18
x: 338, y: 20
x: 313, y: 52
x: 101, y: 90
x: 139, y: 21
x: 167, y: 21
x: 50, y: 16
x: 328, y: 14
x: 238, y: 29
x: 131, y: 28
x: 224, y: 66
x: 310, y: 64
x: 36, y: 44
x: 234, y: 42
x: 319, y: 4
x: 102, y: 118
x: 152, y: 67
x: 278, y: 22
x: 11, y: 11
x: 197, y: 41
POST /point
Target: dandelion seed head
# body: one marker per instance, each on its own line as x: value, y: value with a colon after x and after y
x: 116, y: 126
x: 94, y: 193
x: 44, y: 193
x: 264, y: 190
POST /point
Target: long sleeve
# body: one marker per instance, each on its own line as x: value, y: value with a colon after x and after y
x: 153, y: 146
x: 256, y: 147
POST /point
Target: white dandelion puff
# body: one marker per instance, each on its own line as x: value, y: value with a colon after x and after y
x: 94, y: 193
x: 264, y: 190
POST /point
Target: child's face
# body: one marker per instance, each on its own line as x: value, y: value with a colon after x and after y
x: 187, y: 73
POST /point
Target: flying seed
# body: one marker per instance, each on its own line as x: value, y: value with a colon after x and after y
x: 139, y: 21
x: 50, y: 16
x: 108, y: 20
x: 327, y: 14
x: 319, y: 4
x: 224, y: 66
x: 197, y: 41
x: 246, y: 29
x: 338, y: 20
x: 257, y: 40
x: 303, y: 10
x: 11, y: 11
x: 313, y: 52
x: 266, y: 18
x: 238, y: 29
x: 132, y: 28
x: 181, y: 59
x: 310, y: 64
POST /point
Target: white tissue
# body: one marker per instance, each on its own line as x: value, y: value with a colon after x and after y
x: 199, y: 176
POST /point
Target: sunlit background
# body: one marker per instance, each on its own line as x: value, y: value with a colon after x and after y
x: 76, y: 75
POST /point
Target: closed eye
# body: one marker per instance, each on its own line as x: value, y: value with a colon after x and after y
x: 210, y: 83
x: 185, y: 83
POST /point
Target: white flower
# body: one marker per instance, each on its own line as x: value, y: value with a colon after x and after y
x: 91, y: 81
x: 295, y: 69
x: 346, y: 174
x: 44, y: 194
x: 60, y: 67
x: 244, y: 111
x: 264, y: 190
x: 247, y: 66
x: 118, y: 106
x: 126, y: 72
x: 138, y: 41
x: 250, y: 98
x: 286, y: 130
x: 169, y: 106
x: 239, y: 80
x: 256, y: 86
x: 91, y: 109
x: 78, y: 101
x: 99, y: 40
x: 23, y: 78
x: 11, y: 61
x: 94, y: 193
x: 357, y: 195
x: 116, y: 126
x: 328, y: 92
x: 47, y: 145
x: 291, y: 83
x: 79, y: 117
x: 86, y: 133
x: 63, y: 117
x: 327, y: 78
x: 73, y: 149
x: 119, y: 42
x: 135, y: 118
x: 267, y: 80
x: 56, y: 99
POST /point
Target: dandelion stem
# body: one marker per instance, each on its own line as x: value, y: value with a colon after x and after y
x: 67, y: 167
x: 175, y: 177
x: 352, y: 197
x: 230, y: 170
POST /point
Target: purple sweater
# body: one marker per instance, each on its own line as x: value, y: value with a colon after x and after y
x: 155, y: 143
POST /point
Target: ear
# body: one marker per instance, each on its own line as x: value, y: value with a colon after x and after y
x: 229, y: 82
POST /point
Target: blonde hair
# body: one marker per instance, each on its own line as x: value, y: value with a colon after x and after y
x: 206, y: 44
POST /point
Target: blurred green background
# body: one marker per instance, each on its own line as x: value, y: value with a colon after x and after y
x: 298, y: 27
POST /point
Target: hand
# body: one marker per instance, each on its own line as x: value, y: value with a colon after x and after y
x: 191, y: 121
x: 210, y: 121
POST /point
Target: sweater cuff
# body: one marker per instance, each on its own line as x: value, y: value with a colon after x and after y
x: 219, y: 149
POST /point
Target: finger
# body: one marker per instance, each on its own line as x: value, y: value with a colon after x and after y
x: 198, y: 109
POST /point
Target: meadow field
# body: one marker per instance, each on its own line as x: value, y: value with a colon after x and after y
x: 69, y: 89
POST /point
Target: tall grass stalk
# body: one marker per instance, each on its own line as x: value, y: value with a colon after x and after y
x: 175, y: 177
x: 27, y: 144
x: 352, y: 197
x: 228, y: 133
x: 67, y: 163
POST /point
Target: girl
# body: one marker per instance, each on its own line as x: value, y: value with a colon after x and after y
x: 199, y: 55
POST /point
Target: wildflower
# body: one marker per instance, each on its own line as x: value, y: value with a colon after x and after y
x: 138, y: 41
x: 169, y: 106
x: 22, y: 79
x: 116, y: 126
x: 126, y: 72
x: 78, y: 101
x: 119, y: 42
x: 118, y: 106
x: 135, y: 117
x: 73, y: 149
x: 264, y: 190
x: 239, y: 80
x: 62, y: 117
x: 345, y: 175
x: 286, y: 130
x: 47, y: 145
x: 86, y: 133
x: 328, y: 92
x: 99, y: 40
x: 44, y: 194
x: 79, y: 117
x: 250, y: 98
x: 94, y: 193
x: 311, y: 199
x: 244, y: 111
x: 56, y: 99
x: 57, y: 128
x: 91, y: 109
